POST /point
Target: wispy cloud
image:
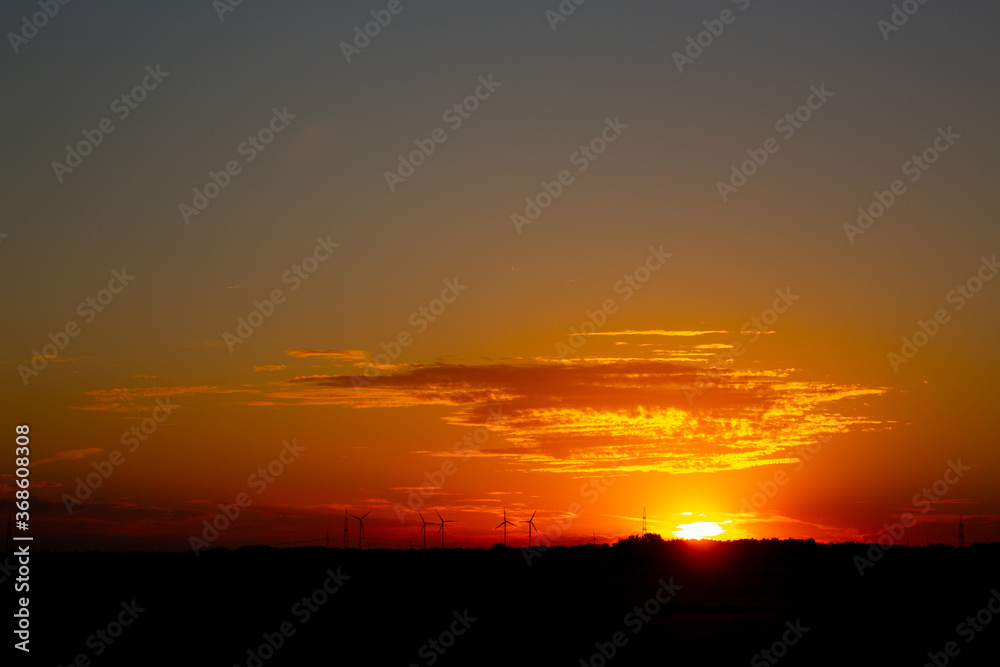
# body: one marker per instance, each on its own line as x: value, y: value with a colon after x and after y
x: 138, y: 399
x: 336, y: 354
x: 69, y: 455
x: 652, y: 332
x: 624, y: 415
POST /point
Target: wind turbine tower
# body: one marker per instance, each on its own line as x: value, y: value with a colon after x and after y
x: 961, y: 532
x: 531, y: 524
x: 361, y: 527
x: 441, y: 529
x: 644, y: 522
x: 423, y: 527
x: 505, y: 524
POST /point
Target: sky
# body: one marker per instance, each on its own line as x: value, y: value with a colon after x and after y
x: 729, y: 263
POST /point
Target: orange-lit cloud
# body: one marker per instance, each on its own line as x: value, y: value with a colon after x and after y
x: 625, y: 415
x: 136, y: 399
x: 68, y: 455
x: 652, y: 332
x: 336, y: 354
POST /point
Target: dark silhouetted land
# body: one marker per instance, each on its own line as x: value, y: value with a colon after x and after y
x: 730, y: 601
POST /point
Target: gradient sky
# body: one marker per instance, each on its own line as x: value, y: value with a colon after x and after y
x: 618, y: 405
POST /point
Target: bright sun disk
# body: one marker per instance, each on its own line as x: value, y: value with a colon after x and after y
x: 699, y: 530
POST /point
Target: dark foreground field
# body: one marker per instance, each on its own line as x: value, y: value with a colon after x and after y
x: 727, y: 602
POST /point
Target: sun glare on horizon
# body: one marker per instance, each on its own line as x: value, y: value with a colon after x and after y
x: 699, y: 530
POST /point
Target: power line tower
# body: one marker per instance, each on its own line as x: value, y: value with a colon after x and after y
x: 961, y: 532
x: 644, y: 522
x: 345, y: 528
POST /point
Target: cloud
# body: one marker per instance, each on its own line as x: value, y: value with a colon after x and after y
x: 141, y: 399
x: 269, y: 367
x: 54, y: 358
x: 652, y: 332
x: 336, y: 354
x: 69, y: 455
x: 617, y: 414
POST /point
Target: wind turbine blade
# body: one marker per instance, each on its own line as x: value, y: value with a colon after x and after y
x: 439, y: 515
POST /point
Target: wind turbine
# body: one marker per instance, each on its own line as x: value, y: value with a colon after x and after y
x: 531, y: 524
x: 505, y: 524
x: 361, y: 526
x: 410, y: 542
x: 423, y: 527
x: 441, y: 529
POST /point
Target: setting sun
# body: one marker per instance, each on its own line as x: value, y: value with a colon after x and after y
x: 699, y: 530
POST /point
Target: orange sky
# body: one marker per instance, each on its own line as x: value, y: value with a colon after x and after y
x: 742, y: 360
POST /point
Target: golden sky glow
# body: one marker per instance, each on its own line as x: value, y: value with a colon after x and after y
x: 642, y: 342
